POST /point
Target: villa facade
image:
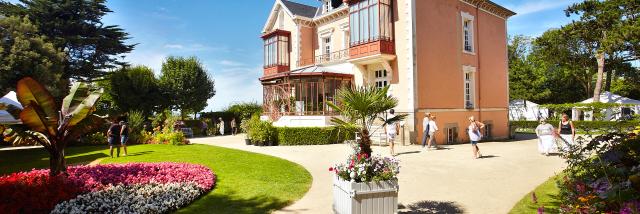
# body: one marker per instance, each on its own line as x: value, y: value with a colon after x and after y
x: 447, y: 57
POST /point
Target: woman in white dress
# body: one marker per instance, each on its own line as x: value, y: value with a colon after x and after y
x: 221, y: 126
x: 546, y: 137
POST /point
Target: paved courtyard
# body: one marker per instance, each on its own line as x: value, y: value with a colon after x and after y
x: 446, y: 180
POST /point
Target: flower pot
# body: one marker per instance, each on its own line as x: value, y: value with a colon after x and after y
x: 247, y: 141
x: 354, y: 198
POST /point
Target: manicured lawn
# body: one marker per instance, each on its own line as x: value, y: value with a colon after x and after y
x: 246, y: 183
x: 547, y: 194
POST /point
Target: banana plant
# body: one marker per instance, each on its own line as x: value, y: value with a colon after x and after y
x: 54, y: 126
x: 360, y: 108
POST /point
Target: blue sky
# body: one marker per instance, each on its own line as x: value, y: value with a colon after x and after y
x: 224, y: 35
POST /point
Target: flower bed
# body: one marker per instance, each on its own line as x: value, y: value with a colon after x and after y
x: 92, y: 186
x: 603, y: 176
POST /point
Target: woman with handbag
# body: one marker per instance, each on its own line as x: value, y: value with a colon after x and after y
x: 475, y: 135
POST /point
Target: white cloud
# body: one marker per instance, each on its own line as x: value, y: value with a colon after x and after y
x: 230, y: 63
x: 174, y: 46
x: 531, y: 7
x: 195, y: 47
x: 235, y: 85
x: 151, y: 59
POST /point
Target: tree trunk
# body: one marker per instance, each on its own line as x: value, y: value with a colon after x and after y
x: 607, y: 83
x: 365, y: 142
x: 57, y: 163
x: 598, y: 87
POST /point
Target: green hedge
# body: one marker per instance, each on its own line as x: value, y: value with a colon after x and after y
x: 582, y: 125
x: 291, y: 136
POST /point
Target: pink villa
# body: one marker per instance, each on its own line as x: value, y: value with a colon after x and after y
x: 447, y: 57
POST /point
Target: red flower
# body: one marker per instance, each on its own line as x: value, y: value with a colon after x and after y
x: 330, y: 169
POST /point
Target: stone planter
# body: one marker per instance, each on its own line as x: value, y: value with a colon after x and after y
x: 372, y: 197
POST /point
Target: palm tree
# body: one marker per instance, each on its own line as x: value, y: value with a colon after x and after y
x: 360, y: 108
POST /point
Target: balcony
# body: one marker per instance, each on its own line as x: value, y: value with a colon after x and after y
x: 333, y: 57
x: 274, y: 69
x: 375, y: 47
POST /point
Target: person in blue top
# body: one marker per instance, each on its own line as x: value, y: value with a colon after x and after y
x: 124, y: 136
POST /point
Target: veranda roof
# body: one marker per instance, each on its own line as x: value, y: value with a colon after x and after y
x: 9, y: 99
x: 310, y: 71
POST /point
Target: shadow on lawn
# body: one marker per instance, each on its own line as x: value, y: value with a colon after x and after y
x: 230, y: 202
x: 27, y: 159
x: 430, y: 207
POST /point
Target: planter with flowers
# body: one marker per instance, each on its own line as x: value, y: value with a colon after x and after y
x: 365, y: 183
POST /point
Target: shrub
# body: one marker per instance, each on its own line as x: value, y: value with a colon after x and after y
x: 96, y: 138
x: 168, y: 136
x: 195, y: 125
x: 311, y: 135
x: 582, y: 125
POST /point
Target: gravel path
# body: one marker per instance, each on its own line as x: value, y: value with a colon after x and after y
x: 448, y: 180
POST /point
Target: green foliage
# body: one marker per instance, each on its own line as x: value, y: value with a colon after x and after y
x: 526, y: 80
x: 59, y: 125
x: 26, y: 53
x: 293, y: 136
x: 91, y: 47
x: 97, y: 138
x: 168, y: 136
x: 195, y: 125
x: 244, y: 111
x: 586, y: 126
x: 261, y: 132
x: 360, y: 107
x: 546, y: 196
x: 187, y: 84
x: 135, y: 123
x: 135, y: 89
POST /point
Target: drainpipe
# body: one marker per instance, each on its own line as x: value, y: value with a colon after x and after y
x: 478, y: 70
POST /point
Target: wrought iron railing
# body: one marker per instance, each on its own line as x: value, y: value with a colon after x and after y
x: 335, y: 56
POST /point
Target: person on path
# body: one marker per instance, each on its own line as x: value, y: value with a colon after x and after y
x: 425, y: 127
x: 567, y: 132
x: 546, y: 138
x: 113, y: 135
x: 433, y: 128
x: 221, y: 126
x: 124, y: 136
x: 234, y: 129
x: 204, y: 127
x: 475, y: 135
x: 391, y: 130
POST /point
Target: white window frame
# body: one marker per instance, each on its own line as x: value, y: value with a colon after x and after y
x: 468, y: 18
x: 326, y: 45
x: 326, y: 6
x: 381, y: 78
x: 471, y: 95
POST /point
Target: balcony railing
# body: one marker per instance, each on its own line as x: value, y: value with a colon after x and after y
x: 335, y: 56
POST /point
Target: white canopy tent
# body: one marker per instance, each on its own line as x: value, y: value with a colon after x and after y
x: 9, y: 99
x: 611, y: 114
x: 526, y: 110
